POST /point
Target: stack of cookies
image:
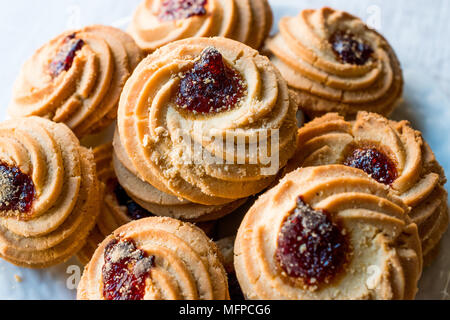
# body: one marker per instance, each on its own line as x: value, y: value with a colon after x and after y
x: 350, y: 205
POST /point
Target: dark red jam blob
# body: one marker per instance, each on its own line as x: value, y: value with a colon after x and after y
x: 373, y: 162
x: 311, y: 247
x: 125, y: 271
x: 171, y: 10
x: 64, y: 58
x: 211, y: 85
x: 350, y: 50
x: 134, y: 211
x: 17, y: 190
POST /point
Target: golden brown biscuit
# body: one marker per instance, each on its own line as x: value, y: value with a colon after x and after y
x: 155, y: 259
x: 77, y: 78
x: 392, y: 153
x: 188, y: 98
x: 156, y: 23
x: 50, y: 193
x: 328, y: 232
x: 333, y: 62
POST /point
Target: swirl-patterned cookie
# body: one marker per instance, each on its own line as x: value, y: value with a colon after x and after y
x: 118, y: 208
x: 77, y: 78
x: 207, y: 120
x: 156, y: 23
x: 50, y: 193
x: 328, y: 232
x: 390, y: 152
x: 333, y: 62
x: 155, y: 259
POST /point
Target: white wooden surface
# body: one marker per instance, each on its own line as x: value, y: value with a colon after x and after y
x: 418, y: 30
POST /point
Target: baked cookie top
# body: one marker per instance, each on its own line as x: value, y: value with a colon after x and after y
x: 392, y: 153
x: 336, y: 63
x: 328, y: 232
x: 184, y: 101
x: 156, y: 23
x: 155, y: 258
x: 50, y: 193
x: 77, y: 78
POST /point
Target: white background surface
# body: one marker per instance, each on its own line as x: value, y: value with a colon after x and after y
x: 418, y: 30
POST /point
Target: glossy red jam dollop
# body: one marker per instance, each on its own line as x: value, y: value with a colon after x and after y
x: 171, y: 10
x: 125, y: 271
x: 134, y: 211
x: 350, y: 50
x: 373, y: 162
x: 211, y: 86
x: 17, y: 190
x: 310, y: 246
x: 64, y: 58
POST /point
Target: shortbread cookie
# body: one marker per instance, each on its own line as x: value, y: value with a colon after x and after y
x: 333, y: 62
x: 77, y: 78
x: 50, y: 192
x: 192, y: 114
x: 156, y: 23
x: 328, y: 232
x: 392, y: 153
x: 155, y: 259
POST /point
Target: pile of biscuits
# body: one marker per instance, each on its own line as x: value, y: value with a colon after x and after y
x: 349, y: 205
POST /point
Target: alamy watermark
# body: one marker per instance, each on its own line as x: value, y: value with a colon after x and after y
x: 74, y: 17
x: 229, y: 147
x: 74, y: 276
x: 374, y: 17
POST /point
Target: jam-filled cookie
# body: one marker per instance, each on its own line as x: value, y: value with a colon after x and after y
x: 328, y: 232
x: 204, y: 120
x: 118, y: 208
x: 50, y: 193
x: 155, y: 259
x: 156, y: 23
x: 333, y: 62
x: 77, y: 78
x: 390, y: 152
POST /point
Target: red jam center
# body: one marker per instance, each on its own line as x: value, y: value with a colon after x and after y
x: 310, y: 246
x: 211, y: 86
x: 125, y: 271
x: 373, y: 162
x: 134, y: 211
x: 181, y: 9
x: 17, y: 190
x: 350, y: 50
x: 64, y: 58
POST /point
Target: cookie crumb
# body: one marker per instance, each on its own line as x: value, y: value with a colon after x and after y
x: 146, y: 140
x: 17, y: 278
